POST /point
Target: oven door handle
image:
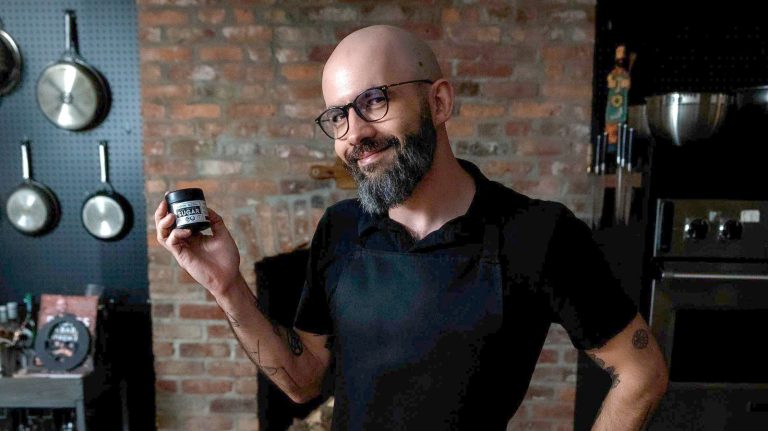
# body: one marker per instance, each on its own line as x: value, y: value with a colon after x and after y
x: 713, y: 276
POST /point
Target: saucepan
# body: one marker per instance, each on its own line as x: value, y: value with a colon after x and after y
x: 72, y: 94
x: 685, y: 118
x: 106, y: 214
x: 32, y: 207
x: 10, y: 62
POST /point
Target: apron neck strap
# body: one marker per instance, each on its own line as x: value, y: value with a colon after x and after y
x: 491, y: 240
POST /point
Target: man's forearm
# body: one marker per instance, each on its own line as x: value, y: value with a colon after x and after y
x: 627, y: 408
x: 277, y: 351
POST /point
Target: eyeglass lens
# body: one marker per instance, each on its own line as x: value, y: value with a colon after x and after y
x: 371, y: 105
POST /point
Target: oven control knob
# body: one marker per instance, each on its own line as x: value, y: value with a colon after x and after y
x: 696, y: 229
x: 731, y: 229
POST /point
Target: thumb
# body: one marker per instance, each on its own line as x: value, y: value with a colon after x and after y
x: 217, y: 223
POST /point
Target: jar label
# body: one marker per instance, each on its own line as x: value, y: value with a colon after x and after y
x: 189, y: 212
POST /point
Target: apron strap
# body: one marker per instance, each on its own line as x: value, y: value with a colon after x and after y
x: 491, y: 240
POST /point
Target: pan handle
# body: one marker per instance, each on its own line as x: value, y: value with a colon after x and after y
x: 598, y: 155
x: 103, y: 161
x: 26, y: 172
x: 604, y: 153
x: 70, y: 32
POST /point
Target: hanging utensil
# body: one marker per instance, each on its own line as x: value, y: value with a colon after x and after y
x: 595, y: 177
x: 32, y: 207
x: 630, y: 180
x: 72, y: 94
x: 601, y: 180
x: 106, y: 214
x: 10, y: 62
x: 617, y: 206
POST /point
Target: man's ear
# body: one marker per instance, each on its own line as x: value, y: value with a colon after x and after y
x: 441, y: 101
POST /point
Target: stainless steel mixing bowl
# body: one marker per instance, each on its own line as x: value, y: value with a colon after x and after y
x: 684, y: 118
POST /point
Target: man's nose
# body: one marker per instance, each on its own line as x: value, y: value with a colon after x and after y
x: 359, y: 129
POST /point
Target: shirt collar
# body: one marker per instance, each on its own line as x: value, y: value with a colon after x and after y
x: 478, y: 208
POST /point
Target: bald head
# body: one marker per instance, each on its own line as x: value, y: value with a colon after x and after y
x: 376, y: 55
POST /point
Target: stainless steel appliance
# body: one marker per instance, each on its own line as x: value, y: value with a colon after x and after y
x: 709, y: 310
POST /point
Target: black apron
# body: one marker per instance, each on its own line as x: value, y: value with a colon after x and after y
x: 418, y: 345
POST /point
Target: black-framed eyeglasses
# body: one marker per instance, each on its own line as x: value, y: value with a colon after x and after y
x: 370, y: 105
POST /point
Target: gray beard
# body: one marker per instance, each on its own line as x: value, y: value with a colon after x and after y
x: 393, y: 185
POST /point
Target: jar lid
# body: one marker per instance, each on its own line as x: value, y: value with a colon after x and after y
x: 181, y: 195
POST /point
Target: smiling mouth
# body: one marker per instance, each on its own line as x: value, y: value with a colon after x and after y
x: 366, y: 154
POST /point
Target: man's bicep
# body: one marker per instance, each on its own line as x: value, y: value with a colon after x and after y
x: 633, y: 351
x: 585, y: 296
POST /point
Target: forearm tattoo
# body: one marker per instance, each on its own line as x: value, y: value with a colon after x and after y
x: 610, y: 370
x: 277, y: 373
x: 232, y: 320
x: 270, y: 372
x: 640, y: 339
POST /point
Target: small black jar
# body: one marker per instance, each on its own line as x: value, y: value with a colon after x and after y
x: 188, y: 205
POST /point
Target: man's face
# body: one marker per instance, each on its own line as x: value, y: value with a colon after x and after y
x: 394, y: 166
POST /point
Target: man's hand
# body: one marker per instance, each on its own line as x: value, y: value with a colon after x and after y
x: 212, y: 260
x: 639, y: 375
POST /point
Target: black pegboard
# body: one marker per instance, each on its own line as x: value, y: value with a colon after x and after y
x: 66, y: 259
x: 681, y: 47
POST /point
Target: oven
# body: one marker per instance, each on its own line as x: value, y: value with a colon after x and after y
x: 709, y: 313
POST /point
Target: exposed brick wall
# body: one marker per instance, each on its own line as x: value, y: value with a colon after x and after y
x: 230, y: 89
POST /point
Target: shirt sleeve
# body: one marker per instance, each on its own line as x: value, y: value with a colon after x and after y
x: 313, y: 314
x: 585, y: 296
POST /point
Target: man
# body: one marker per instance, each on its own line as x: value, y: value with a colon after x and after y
x: 435, y: 289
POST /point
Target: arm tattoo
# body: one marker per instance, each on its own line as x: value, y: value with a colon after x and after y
x: 640, y: 339
x: 610, y: 370
x: 276, y: 373
x: 270, y: 372
x: 232, y: 320
x: 292, y: 338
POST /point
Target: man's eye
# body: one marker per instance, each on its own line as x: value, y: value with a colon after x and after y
x: 375, y: 100
x: 337, y: 117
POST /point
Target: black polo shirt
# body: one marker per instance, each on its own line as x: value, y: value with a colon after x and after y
x: 553, y: 271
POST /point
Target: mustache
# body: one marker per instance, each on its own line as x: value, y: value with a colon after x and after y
x: 370, y: 145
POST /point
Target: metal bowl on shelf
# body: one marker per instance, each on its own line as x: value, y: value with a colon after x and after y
x: 685, y: 118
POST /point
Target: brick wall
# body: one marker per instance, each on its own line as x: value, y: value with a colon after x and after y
x: 230, y: 89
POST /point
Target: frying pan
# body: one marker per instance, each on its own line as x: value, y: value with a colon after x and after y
x: 32, y: 207
x: 72, y: 94
x: 10, y: 62
x: 106, y: 214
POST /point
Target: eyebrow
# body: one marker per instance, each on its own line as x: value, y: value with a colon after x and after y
x: 355, y: 96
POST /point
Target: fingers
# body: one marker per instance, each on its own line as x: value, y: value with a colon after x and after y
x: 178, y: 237
x: 217, y: 223
x: 164, y: 226
x: 161, y: 210
x: 161, y: 213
